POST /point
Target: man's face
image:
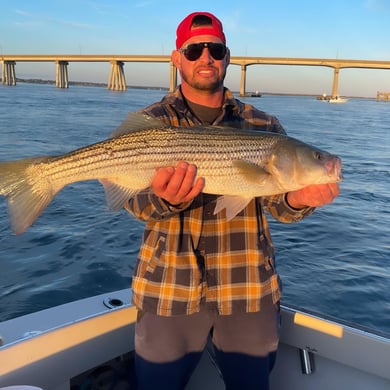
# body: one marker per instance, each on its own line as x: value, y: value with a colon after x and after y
x: 205, y: 73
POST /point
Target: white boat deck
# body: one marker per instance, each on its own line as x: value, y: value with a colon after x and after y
x: 52, y: 348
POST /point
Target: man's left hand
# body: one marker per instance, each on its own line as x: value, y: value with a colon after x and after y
x: 313, y: 196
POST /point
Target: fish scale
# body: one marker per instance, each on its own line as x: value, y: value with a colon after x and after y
x: 236, y: 164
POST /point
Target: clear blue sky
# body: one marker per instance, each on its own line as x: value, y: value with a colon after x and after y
x: 345, y: 29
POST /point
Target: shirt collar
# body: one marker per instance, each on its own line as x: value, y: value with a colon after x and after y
x: 176, y: 99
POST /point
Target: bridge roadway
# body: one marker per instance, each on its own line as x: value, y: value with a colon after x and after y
x: 117, y: 79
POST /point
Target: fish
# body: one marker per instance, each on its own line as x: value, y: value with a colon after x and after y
x: 238, y: 165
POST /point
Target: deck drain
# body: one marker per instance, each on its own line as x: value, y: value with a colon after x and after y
x: 112, y: 303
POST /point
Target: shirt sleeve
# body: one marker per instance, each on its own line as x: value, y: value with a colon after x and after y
x: 146, y: 206
x: 279, y: 208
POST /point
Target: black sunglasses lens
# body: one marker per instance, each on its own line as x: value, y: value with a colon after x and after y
x: 217, y: 50
x: 193, y: 51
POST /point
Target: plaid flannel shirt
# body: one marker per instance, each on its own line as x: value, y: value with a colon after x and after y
x: 188, y: 254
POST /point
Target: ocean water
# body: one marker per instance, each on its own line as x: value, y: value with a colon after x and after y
x: 335, y: 262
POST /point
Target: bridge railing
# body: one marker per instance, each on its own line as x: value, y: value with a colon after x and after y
x: 117, y: 79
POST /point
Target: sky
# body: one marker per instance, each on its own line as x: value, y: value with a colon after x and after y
x: 343, y: 29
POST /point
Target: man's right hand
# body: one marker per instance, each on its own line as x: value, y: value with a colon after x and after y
x: 177, y: 185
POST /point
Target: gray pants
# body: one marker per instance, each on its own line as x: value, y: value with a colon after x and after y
x: 165, y: 344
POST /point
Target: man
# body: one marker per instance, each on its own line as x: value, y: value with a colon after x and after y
x: 197, y: 273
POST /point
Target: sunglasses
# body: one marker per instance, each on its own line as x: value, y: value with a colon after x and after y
x: 194, y: 50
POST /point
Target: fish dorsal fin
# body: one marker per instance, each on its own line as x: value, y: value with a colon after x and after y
x: 137, y: 121
x: 116, y: 194
x: 232, y: 203
x: 252, y: 172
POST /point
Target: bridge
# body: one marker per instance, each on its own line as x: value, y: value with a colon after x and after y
x: 117, y: 80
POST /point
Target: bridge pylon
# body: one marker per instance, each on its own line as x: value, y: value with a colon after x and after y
x: 172, y: 77
x: 243, y: 81
x: 335, y: 86
x: 8, y: 73
x: 62, y: 80
x: 117, y: 79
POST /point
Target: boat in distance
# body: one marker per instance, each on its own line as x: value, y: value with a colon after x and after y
x: 338, y: 100
x: 332, y: 99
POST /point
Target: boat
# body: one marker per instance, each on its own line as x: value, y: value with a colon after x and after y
x: 323, y: 97
x: 254, y: 94
x: 332, y: 99
x: 88, y: 344
x: 337, y: 99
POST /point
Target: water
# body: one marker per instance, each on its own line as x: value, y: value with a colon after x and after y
x: 336, y: 262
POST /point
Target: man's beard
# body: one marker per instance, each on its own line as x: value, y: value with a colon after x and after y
x: 205, y: 85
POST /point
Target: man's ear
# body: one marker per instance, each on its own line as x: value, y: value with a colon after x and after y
x: 176, y: 58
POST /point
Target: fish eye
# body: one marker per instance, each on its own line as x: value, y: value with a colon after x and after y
x: 318, y: 155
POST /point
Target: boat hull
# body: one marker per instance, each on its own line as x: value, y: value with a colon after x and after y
x: 65, y: 345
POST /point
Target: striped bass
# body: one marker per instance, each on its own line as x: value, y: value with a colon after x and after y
x: 236, y: 164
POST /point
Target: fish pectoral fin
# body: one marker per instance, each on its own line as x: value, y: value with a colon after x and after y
x: 137, y: 121
x: 116, y: 194
x: 232, y: 203
x: 251, y: 172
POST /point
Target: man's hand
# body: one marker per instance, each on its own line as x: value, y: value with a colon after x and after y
x: 313, y: 195
x: 177, y: 185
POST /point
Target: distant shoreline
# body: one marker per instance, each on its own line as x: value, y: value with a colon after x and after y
x: 104, y: 85
x: 83, y: 84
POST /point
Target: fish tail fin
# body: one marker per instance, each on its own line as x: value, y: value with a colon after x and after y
x: 27, y: 190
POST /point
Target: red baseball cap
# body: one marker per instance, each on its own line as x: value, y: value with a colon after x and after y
x: 184, y: 31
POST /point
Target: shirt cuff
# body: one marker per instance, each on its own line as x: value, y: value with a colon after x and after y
x: 165, y: 208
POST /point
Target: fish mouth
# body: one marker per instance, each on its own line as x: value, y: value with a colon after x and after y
x: 333, y: 168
